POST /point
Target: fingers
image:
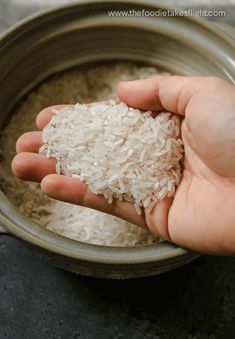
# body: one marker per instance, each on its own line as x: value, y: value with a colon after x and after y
x: 29, y: 142
x: 32, y: 167
x: 76, y: 192
x: 157, y: 218
x: 38, y: 168
x: 171, y: 93
x: 44, y: 117
x: 32, y: 141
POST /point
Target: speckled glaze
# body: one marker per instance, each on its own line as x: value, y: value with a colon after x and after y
x: 79, y: 34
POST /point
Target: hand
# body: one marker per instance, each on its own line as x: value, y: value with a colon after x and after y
x: 202, y: 214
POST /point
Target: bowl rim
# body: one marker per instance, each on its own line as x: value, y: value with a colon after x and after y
x: 22, y: 227
x: 17, y: 224
x: 7, y: 34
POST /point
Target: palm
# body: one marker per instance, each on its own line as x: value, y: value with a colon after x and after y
x: 203, y: 206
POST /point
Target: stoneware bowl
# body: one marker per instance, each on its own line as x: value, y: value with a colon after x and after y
x: 79, y: 34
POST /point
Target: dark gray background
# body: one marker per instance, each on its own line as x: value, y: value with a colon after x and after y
x: 39, y: 301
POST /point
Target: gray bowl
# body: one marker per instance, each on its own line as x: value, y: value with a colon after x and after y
x: 79, y: 34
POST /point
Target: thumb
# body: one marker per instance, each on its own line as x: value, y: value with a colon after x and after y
x: 171, y: 93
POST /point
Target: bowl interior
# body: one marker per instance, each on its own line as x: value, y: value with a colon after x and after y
x: 84, y: 33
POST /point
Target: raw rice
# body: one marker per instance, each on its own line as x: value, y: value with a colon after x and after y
x: 118, y: 151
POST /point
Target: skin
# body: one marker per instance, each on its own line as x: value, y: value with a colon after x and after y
x: 201, y: 216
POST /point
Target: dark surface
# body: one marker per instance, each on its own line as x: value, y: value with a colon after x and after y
x: 40, y: 301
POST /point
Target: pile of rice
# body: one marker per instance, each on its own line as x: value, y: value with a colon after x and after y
x: 96, y: 83
x: 118, y: 151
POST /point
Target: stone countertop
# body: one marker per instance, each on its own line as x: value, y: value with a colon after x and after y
x: 39, y: 301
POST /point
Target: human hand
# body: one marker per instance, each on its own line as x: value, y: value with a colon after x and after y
x: 201, y: 215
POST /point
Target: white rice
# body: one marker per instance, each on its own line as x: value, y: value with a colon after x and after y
x: 117, y: 151
x: 93, y: 84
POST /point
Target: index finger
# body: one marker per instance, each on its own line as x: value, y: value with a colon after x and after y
x: 171, y: 93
